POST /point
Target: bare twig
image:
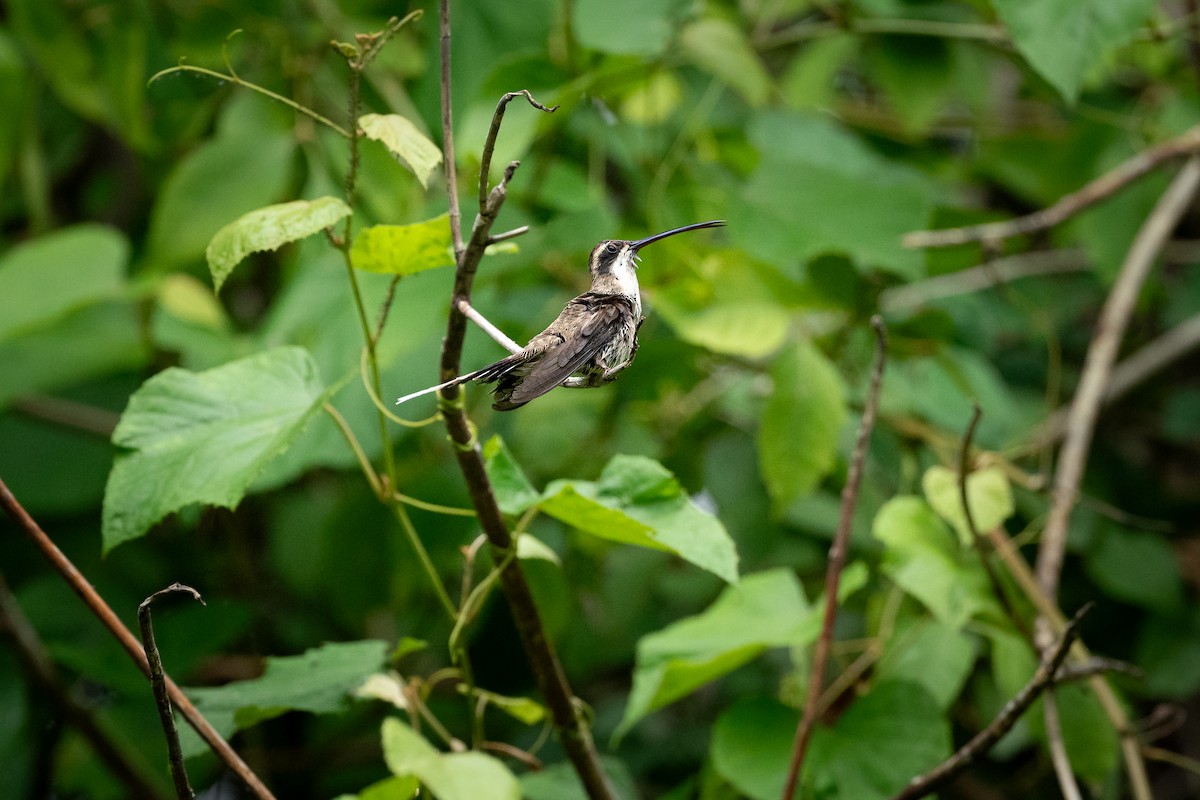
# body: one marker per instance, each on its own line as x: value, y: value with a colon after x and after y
x: 129, y: 642
x: 1064, y: 773
x: 489, y: 145
x: 41, y: 670
x: 498, y: 336
x: 1099, y: 189
x: 837, y: 561
x: 504, y: 237
x: 1102, y: 352
x: 1002, y: 724
x: 183, y: 790
x: 573, y: 730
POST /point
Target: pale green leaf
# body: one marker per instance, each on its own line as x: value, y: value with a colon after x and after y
x: 764, y: 610
x: 988, y: 493
x: 797, y: 438
x: 267, y: 229
x: 453, y: 776
x: 933, y: 655
x: 45, y: 278
x: 204, y: 437
x: 514, y: 493
x: 637, y: 501
x: 751, y: 329
x: 320, y: 681
x: 718, y: 47
x: 1064, y: 39
x: 404, y: 249
x: 923, y: 558
x: 405, y: 141
x: 654, y: 100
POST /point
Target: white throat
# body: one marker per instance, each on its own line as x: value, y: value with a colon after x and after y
x: 624, y: 272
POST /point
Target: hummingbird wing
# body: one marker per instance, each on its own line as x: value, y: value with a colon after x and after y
x: 582, y: 330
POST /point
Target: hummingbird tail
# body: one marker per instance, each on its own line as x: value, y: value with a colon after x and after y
x: 490, y: 372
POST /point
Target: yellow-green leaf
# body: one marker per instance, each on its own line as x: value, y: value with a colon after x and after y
x: 405, y: 141
x: 988, y: 492
x: 404, y: 249
x: 268, y: 228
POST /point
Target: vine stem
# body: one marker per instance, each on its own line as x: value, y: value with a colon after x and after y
x: 837, y: 562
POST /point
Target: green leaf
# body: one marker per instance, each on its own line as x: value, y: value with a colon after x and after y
x: 638, y: 501
x: 411, y: 148
x: 561, y: 782
x: 876, y: 747
x: 393, y: 788
x: 751, y: 329
x: 933, y: 655
x: 818, y: 190
x: 1096, y: 27
x: 797, y: 438
x: 404, y: 249
x: 204, y: 437
x: 924, y: 559
x: 632, y: 27
x: 1136, y: 567
x: 988, y: 493
x: 514, y: 493
x: 454, y: 776
x: 752, y: 746
x: 48, y: 277
x: 267, y: 229
x: 522, y: 709
x: 764, y: 610
x: 320, y: 681
x: 718, y: 47
x: 654, y: 100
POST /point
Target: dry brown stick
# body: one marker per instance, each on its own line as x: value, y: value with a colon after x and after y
x: 1102, y: 352
x: 1064, y: 773
x: 983, y: 741
x: 41, y: 670
x: 129, y: 642
x: 183, y: 789
x: 573, y: 732
x: 1099, y: 189
x: 837, y: 561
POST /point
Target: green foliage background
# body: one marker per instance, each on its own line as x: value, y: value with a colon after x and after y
x: 823, y: 132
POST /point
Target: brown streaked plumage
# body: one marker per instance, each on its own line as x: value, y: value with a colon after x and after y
x: 594, y: 338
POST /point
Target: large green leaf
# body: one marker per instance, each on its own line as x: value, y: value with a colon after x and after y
x: 405, y: 141
x: 638, y: 501
x: 641, y: 27
x: 934, y: 655
x: 752, y: 746
x: 449, y: 776
x: 717, y: 46
x: 320, y: 681
x: 404, y: 249
x: 885, y: 739
x: 1064, y: 39
x: 267, y: 229
x: 204, y: 437
x: 819, y: 190
x: 48, y: 277
x: 514, y: 493
x: 765, y: 610
x: 797, y: 438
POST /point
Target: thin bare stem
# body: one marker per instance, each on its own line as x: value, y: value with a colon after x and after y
x: 363, y: 462
x: 837, y: 562
x: 129, y: 642
x: 1099, y: 189
x: 414, y: 539
x: 489, y: 144
x: 1064, y: 773
x: 1002, y: 724
x: 498, y: 336
x: 183, y: 789
x: 436, y: 508
x: 1102, y: 352
x: 496, y: 238
x: 287, y: 101
x: 387, y: 412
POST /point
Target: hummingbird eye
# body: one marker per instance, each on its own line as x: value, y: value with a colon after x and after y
x: 611, y: 248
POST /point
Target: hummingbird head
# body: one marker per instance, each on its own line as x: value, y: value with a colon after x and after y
x: 613, y: 263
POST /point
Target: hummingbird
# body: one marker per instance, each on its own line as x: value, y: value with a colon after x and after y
x: 594, y: 338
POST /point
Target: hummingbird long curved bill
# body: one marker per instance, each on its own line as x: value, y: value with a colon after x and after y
x: 594, y: 338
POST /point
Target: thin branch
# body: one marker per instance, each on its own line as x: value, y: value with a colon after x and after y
x: 129, y: 642
x: 1064, y: 773
x: 42, y: 671
x: 837, y: 561
x: 574, y: 733
x: 183, y: 790
x: 68, y: 413
x: 234, y: 79
x: 363, y: 462
x: 1002, y: 724
x: 1102, y: 352
x: 498, y: 336
x: 1099, y: 189
x: 489, y: 144
x: 496, y: 238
